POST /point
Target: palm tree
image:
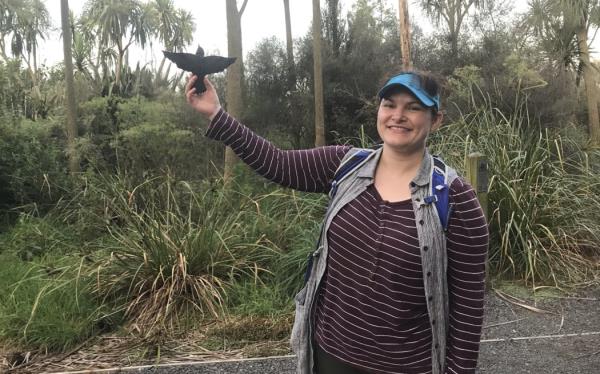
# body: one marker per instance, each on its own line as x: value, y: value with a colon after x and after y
x: 35, y: 28
x: 118, y: 24
x: 25, y: 22
x: 563, y: 26
x: 8, y: 20
x: 175, y: 28
x: 71, y: 108
x: 453, y: 13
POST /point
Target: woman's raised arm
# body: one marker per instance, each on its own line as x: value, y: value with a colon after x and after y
x: 305, y: 170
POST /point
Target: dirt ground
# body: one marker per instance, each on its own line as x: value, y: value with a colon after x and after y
x: 552, y: 332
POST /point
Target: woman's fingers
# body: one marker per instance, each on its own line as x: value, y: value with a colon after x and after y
x: 208, y: 84
x: 190, y: 82
x: 189, y: 94
x: 190, y: 90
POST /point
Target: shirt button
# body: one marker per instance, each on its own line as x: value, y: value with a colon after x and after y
x: 428, y: 273
x: 425, y: 248
x: 430, y: 298
x: 433, y: 321
x: 436, y: 346
x: 421, y: 222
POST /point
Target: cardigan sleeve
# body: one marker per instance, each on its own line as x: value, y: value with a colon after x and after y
x: 467, y: 246
x: 308, y: 170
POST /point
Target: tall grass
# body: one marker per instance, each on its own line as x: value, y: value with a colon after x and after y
x: 543, y: 195
x: 177, y: 250
x: 156, y: 254
x: 45, y: 304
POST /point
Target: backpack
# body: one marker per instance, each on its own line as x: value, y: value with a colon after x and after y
x: 439, y: 190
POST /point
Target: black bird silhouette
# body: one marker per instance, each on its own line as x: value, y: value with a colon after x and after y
x: 199, y: 64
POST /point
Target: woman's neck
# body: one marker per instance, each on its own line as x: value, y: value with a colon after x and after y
x: 400, y: 163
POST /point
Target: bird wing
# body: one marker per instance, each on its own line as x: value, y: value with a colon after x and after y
x: 185, y: 61
x: 215, y: 64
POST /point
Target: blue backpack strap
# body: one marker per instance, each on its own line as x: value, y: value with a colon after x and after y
x: 347, y: 166
x: 439, y: 191
x: 350, y: 163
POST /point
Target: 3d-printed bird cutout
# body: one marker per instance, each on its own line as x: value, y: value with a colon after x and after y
x: 199, y: 65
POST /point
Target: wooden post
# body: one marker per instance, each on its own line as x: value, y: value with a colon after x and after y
x: 477, y: 175
x: 318, y: 75
x: 404, y: 34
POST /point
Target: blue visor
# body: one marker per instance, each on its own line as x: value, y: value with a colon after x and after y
x: 411, y: 82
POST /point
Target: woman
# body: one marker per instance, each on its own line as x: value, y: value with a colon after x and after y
x: 389, y: 290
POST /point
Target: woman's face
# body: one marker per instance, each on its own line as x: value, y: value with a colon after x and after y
x: 403, y: 123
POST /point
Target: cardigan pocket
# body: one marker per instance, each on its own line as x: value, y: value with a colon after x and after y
x: 300, y: 328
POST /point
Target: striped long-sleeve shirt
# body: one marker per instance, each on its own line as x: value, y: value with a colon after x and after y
x: 371, y: 311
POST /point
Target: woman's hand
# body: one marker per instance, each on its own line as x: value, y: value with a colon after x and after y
x: 206, y: 103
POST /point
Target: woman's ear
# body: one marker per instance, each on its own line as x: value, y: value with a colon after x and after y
x: 437, y: 120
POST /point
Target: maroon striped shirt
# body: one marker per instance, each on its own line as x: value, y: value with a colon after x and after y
x: 371, y: 311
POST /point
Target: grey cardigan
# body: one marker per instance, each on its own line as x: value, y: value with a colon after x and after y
x: 433, y: 257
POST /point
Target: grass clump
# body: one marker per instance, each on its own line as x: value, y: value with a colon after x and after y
x: 269, y: 299
x: 46, y: 304
x: 177, y: 251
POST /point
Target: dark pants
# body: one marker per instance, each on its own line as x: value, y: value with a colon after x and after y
x: 327, y: 364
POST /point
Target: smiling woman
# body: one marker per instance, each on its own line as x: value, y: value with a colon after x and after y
x: 396, y: 283
x: 407, y: 114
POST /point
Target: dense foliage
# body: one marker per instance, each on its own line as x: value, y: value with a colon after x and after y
x: 148, y: 237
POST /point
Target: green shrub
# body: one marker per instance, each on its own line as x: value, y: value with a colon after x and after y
x: 144, y: 138
x: 32, y: 164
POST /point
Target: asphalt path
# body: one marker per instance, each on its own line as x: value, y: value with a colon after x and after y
x: 553, y: 335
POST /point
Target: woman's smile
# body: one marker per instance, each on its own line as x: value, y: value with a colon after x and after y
x: 400, y: 129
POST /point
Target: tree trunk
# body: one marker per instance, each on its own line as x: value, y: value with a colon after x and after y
x: 318, y: 75
x: 34, y: 52
x: 234, y: 77
x: 71, y: 106
x: 3, y: 47
x: 119, y: 67
x: 290, y: 47
x: 332, y: 24
x: 590, y: 87
x: 404, y: 35
x: 453, y: 35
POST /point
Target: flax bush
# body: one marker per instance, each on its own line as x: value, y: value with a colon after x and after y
x: 544, y: 211
x: 178, y: 250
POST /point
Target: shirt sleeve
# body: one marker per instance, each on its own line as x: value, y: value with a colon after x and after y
x: 308, y: 170
x: 467, y: 246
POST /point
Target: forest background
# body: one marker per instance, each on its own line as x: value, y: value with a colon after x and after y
x: 119, y: 217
